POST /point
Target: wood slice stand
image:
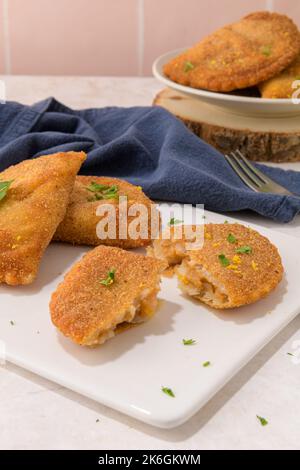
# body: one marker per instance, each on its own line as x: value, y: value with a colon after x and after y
x: 258, y: 138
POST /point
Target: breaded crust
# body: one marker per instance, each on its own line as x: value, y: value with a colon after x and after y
x: 239, y: 55
x: 249, y: 276
x: 30, y: 212
x: 83, y: 309
x: 281, y: 85
x: 80, y: 222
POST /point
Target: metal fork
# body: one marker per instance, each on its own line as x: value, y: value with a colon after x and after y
x: 254, y: 178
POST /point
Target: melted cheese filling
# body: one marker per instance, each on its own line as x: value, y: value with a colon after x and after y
x: 170, y: 251
x: 141, y: 310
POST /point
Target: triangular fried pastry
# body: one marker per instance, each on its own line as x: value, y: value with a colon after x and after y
x: 34, y: 195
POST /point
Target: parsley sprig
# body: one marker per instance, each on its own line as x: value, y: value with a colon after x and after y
x: 206, y: 364
x: 103, y: 191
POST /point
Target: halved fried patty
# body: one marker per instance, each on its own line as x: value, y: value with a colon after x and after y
x: 92, y: 304
x: 238, y: 55
x: 236, y: 266
x: 80, y: 223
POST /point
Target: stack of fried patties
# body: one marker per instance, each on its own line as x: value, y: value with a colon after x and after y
x: 261, y: 50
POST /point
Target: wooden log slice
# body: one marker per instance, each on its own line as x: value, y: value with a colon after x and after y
x: 258, y: 138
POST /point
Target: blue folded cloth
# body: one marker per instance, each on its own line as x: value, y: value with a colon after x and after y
x: 145, y: 145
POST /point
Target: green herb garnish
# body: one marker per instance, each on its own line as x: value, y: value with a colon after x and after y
x: 95, y: 187
x: 244, y: 249
x: 189, y: 342
x: 223, y: 260
x: 174, y: 221
x: 262, y: 420
x: 97, y: 420
x: 231, y: 238
x: 168, y: 391
x: 102, y: 191
x: 110, y: 278
x: 290, y: 354
x: 226, y: 222
x: 188, y: 66
x: 4, y: 187
x: 12, y: 322
x: 266, y: 50
x: 206, y: 364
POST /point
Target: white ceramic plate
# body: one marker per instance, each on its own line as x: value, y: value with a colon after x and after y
x: 233, y: 103
x: 127, y: 372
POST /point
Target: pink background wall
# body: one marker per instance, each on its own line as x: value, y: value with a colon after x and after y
x: 110, y: 37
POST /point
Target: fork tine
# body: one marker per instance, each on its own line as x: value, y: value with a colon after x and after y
x: 245, y: 169
x: 251, y: 167
x: 241, y: 174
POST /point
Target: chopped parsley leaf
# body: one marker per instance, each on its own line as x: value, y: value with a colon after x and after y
x: 4, y: 187
x: 231, y: 238
x: 266, y: 50
x: 262, y: 420
x: 189, y: 342
x: 244, y: 249
x: 110, y: 278
x: 174, y: 221
x: 188, y: 66
x: 168, y: 391
x: 206, y: 364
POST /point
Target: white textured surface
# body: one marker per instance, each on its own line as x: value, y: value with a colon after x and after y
x: 36, y: 413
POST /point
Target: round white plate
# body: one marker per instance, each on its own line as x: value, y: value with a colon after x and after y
x: 234, y: 103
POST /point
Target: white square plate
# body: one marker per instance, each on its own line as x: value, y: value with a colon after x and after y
x: 127, y: 372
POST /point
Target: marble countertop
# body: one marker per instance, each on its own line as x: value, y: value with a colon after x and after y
x: 38, y: 414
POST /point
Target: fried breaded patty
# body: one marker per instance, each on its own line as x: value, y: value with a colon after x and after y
x: 106, y: 290
x: 281, y: 85
x: 80, y: 223
x: 239, y: 55
x: 236, y: 266
x: 31, y: 210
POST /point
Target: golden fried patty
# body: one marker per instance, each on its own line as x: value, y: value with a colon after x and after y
x: 281, y: 86
x: 236, y: 266
x: 238, y: 55
x: 80, y: 223
x: 106, y: 290
x: 34, y: 205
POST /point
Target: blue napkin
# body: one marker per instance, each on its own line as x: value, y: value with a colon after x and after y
x: 145, y: 145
